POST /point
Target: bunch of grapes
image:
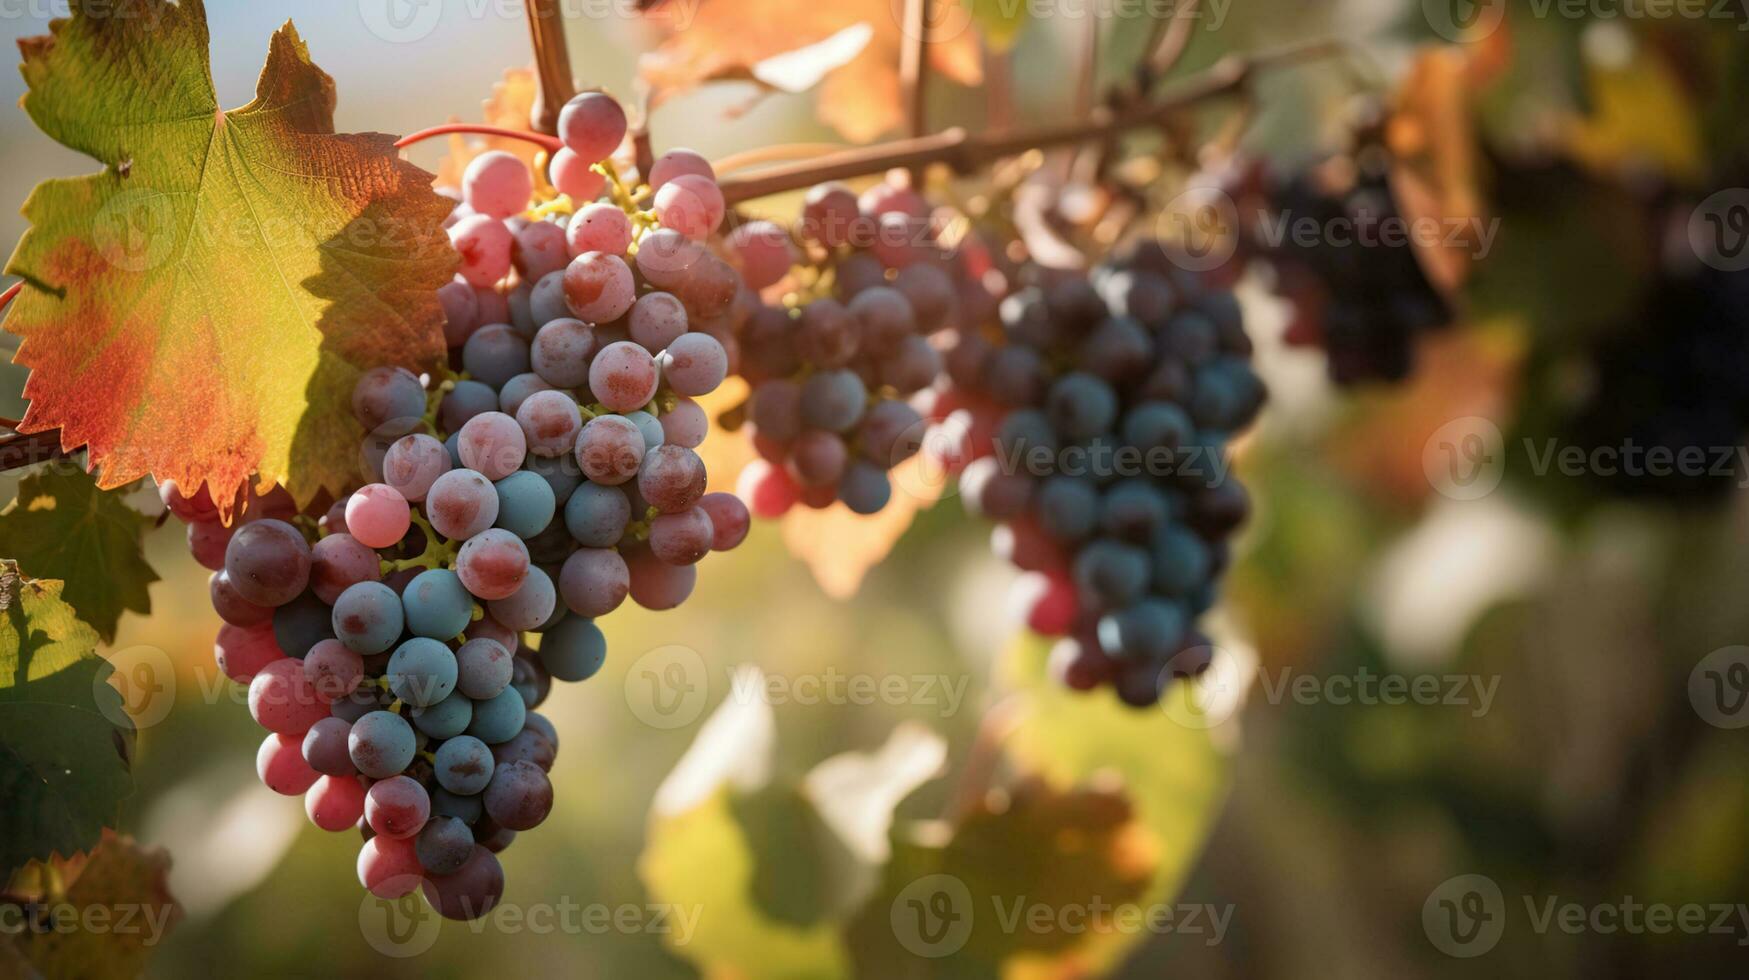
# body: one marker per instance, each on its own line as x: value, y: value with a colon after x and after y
x: 1361, y: 296
x: 1105, y: 460
x: 833, y: 369
x: 382, y: 644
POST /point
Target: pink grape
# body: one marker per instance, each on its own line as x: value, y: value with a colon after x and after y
x: 592, y: 125
x: 574, y: 176
x: 241, y: 652
x: 413, y: 463
x: 818, y: 458
x: 198, y: 507
x: 729, y: 520
x: 335, y: 803
x: 492, y: 444
x: 884, y: 198
x: 599, y: 287
x: 282, y: 699
x: 397, y: 807
x: 281, y: 767
x: 656, y: 585
x: 333, y: 670
x: 678, y: 163
x: 690, y: 204
x: 518, y: 389
x: 484, y: 245
x: 623, y: 377
x: 539, y: 249
x: 898, y: 239
x: 829, y: 214
x: 461, y: 504
x: 594, y: 581
x: 549, y: 421
x: 765, y: 252
x: 671, y: 479
x: 609, y: 450
x: 656, y: 320
x: 709, y: 288
x: 340, y: 561
x: 695, y: 364
x: 683, y: 538
x: 492, y: 564
x: 530, y: 605
x: 461, y: 311
x: 238, y: 611
x: 826, y: 334
x: 599, y: 227
x: 666, y: 257
x: 561, y: 350
x: 497, y: 184
x: 685, y: 424
x: 377, y: 515
x: 388, y: 867
x: 768, y: 489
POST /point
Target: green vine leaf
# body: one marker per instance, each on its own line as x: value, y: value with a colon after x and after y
x: 63, y: 527
x: 201, y: 309
x: 65, y: 740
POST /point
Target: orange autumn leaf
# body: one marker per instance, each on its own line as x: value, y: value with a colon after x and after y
x: 200, y: 309
x: 1436, y: 180
x: 860, y: 98
x: 839, y: 546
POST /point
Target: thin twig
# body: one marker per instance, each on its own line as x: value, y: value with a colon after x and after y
x: 965, y: 152
x: 914, y: 74
x: 550, y: 143
x: 552, y: 59
x: 20, y: 450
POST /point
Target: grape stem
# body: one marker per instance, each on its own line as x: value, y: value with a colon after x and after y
x: 552, y: 59
x: 965, y: 152
x: 550, y: 143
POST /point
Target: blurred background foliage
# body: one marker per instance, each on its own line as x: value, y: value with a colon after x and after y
x: 1324, y: 827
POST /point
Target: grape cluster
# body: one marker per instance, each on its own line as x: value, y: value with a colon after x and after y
x: 1362, y: 298
x: 382, y: 644
x: 833, y: 366
x: 1093, y: 427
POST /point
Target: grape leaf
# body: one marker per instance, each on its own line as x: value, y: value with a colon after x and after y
x: 201, y: 308
x: 65, y: 740
x: 121, y: 889
x: 860, y: 97
x: 782, y: 864
x: 63, y: 527
x: 1032, y: 875
x: 1172, y: 773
